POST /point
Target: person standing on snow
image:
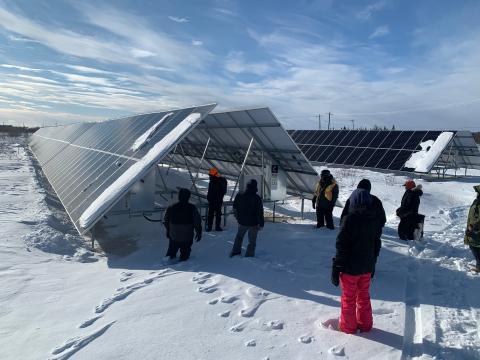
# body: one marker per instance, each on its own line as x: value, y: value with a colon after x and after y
x: 324, y: 199
x: 248, y: 210
x: 358, y: 246
x: 181, y: 220
x: 377, y: 207
x: 217, y: 188
x: 411, y: 222
x: 472, y: 234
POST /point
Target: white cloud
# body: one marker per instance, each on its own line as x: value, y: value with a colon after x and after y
x: 138, y: 53
x: 380, y: 32
x: 236, y: 63
x: 86, y: 69
x: 369, y: 10
x: 179, y: 19
x: 18, y: 67
x: 197, y: 43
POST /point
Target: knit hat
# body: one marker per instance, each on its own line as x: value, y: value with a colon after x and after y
x: 213, y: 172
x: 252, y: 185
x: 409, y: 184
x: 184, y: 195
x: 325, y: 172
x: 359, y: 198
x: 365, y: 184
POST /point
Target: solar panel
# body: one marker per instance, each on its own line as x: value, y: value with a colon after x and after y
x: 92, y: 165
x: 230, y: 134
x: 362, y: 148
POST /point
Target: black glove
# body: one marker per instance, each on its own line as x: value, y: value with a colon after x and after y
x: 314, y: 201
x: 198, y: 237
x: 335, y: 273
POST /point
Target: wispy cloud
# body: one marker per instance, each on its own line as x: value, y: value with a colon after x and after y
x: 197, y: 43
x: 369, y: 10
x: 380, y: 32
x: 86, y: 69
x: 179, y: 19
x: 236, y: 63
x: 18, y: 67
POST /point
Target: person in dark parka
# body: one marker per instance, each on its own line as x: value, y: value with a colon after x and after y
x: 358, y: 246
x: 324, y: 198
x: 472, y: 234
x: 217, y: 188
x: 181, y: 220
x: 248, y: 210
x: 377, y: 208
x: 408, y: 211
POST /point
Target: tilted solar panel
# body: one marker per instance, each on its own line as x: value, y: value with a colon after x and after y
x: 381, y: 149
x: 92, y: 165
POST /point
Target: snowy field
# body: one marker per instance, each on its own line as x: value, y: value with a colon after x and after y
x: 60, y: 301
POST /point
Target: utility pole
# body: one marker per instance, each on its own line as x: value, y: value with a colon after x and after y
x: 329, y: 114
x: 353, y: 124
x: 319, y: 122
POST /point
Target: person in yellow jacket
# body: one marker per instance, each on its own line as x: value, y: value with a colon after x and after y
x: 324, y: 199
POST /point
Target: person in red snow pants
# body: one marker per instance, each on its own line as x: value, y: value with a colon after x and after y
x: 358, y: 246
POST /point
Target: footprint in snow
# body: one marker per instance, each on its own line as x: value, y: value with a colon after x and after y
x: 306, y: 339
x: 273, y: 325
x: 383, y: 311
x: 125, y: 276
x: 338, y: 350
x: 331, y: 324
x: 251, y: 343
x: 208, y: 289
x: 89, y: 322
x: 213, y: 302
x: 201, y: 278
x: 239, y: 327
x: 224, y: 314
x: 229, y: 299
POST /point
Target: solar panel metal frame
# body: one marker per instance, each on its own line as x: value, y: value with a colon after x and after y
x: 83, y: 160
x: 230, y: 133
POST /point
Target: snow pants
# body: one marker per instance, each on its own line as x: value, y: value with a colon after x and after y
x: 356, y: 309
x: 185, y: 248
x: 214, y: 210
x: 252, y: 240
x: 476, y: 254
x: 324, y: 216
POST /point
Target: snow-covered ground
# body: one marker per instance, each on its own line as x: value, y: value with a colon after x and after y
x: 61, y: 301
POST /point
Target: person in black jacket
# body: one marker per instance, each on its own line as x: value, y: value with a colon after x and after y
x: 217, y: 188
x: 248, y: 210
x: 377, y: 207
x: 410, y: 219
x: 181, y: 220
x: 358, y: 246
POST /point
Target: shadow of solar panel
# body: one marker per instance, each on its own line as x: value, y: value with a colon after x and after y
x: 83, y: 162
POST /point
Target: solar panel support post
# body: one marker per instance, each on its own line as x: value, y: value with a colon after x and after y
x: 303, y: 206
x: 92, y: 233
x: 202, y: 158
x: 190, y: 173
x: 241, y: 169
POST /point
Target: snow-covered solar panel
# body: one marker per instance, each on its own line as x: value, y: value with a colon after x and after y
x: 411, y: 151
x: 230, y: 134
x: 92, y: 165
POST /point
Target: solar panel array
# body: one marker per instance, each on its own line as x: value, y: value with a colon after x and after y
x: 81, y: 161
x: 230, y: 134
x: 378, y: 149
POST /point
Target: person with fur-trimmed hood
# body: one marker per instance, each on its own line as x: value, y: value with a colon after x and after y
x: 324, y: 198
x: 358, y: 246
x: 217, y: 188
x: 181, y: 220
x: 410, y: 219
x: 472, y: 234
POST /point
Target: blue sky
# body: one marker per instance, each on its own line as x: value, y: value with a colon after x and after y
x: 412, y: 64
